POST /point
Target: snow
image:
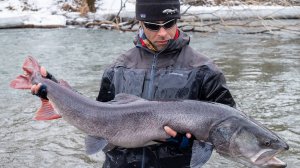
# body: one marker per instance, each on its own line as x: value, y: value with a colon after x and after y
x: 17, y: 13
x: 243, y: 12
x: 45, y: 20
x: 39, y: 4
x: 20, y: 5
x: 44, y: 13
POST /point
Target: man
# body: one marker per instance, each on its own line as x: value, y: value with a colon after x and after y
x: 161, y: 66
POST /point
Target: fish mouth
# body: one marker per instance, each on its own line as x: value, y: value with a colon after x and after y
x: 267, y: 158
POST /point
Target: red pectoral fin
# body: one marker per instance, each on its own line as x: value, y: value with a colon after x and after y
x: 46, y: 112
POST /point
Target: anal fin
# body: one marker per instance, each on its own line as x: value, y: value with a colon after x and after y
x: 95, y: 144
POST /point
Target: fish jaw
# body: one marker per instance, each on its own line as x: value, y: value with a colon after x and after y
x: 274, y: 162
x: 245, y: 141
x: 256, y: 152
x: 266, y: 158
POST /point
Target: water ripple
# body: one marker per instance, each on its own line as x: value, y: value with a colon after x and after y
x: 262, y: 72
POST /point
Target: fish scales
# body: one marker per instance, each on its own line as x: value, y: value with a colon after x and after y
x: 106, y: 120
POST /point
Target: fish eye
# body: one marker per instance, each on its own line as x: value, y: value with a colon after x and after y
x: 267, y: 143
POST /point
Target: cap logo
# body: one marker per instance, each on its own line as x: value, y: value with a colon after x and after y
x: 169, y: 11
x: 143, y: 15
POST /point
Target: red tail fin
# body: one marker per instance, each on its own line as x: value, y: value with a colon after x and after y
x: 30, y: 66
x: 46, y: 112
x: 21, y: 82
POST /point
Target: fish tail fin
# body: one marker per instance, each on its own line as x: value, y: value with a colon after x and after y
x: 30, y: 66
x: 46, y: 111
x: 21, y: 82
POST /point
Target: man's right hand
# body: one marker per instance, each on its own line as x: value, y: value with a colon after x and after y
x: 39, y: 89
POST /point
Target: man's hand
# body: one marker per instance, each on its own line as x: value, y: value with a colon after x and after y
x: 47, y: 74
x: 182, y: 141
x: 40, y: 89
x: 173, y: 133
x: 43, y: 72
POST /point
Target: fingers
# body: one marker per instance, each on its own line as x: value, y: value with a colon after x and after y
x: 39, y: 90
x: 188, y: 135
x: 43, y: 71
x: 35, y: 88
x: 173, y: 133
x: 170, y: 131
x: 47, y: 74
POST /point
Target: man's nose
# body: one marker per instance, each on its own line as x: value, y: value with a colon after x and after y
x: 162, y: 32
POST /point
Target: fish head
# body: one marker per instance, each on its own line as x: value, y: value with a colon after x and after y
x: 248, y: 142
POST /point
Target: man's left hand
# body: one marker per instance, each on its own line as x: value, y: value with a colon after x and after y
x: 173, y: 133
x: 182, y: 141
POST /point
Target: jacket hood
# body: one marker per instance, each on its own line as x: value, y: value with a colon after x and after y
x: 176, y: 55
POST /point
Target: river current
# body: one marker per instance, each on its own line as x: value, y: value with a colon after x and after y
x: 262, y: 71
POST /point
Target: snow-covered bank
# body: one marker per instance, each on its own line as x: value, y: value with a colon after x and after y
x: 242, y: 12
x: 50, y: 13
x: 32, y: 20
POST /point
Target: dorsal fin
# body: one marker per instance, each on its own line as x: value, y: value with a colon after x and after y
x: 123, y: 98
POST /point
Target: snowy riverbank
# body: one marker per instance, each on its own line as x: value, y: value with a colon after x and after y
x: 50, y: 13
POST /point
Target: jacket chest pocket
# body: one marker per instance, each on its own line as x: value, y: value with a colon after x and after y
x: 129, y: 81
x: 175, y: 85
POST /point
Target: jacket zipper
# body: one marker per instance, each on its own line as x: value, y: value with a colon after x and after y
x: 152, y: 76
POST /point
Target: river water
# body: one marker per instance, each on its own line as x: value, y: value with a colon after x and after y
x: 263, y: 73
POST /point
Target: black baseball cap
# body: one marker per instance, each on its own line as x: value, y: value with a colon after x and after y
x: 157, y: 10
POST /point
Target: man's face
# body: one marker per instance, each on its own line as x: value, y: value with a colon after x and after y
x: 159, y: 32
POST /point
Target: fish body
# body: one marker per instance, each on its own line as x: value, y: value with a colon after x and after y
x: 129, y: 121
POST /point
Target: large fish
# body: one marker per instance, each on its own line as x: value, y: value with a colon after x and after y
x: 129, y: 121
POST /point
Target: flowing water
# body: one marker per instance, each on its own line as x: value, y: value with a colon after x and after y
x: 262, y: 71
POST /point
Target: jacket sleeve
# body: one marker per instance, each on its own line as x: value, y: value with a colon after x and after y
x: 107, y: 89
x: 215, y: 89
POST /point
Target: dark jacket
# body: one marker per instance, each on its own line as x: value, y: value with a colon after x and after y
x: 177, y: 72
